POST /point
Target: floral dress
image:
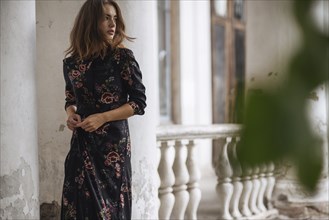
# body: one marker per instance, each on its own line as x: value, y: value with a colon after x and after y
x: 97, y: 183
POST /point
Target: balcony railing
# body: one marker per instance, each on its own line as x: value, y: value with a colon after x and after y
x: 245, y: 193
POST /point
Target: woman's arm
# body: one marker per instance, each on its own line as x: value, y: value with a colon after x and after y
x: 123, y: 112
x: 70, y: 101
x: 93, y: 122
x: 131, y: 77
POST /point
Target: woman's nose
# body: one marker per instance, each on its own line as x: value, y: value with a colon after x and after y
x: 111, y: 23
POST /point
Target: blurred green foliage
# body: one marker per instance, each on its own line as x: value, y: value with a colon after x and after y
x: 276, y: 125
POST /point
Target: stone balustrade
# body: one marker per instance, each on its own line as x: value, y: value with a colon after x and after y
x: 244, y: 192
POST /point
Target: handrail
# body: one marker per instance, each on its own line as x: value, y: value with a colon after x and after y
x: 214, y: 131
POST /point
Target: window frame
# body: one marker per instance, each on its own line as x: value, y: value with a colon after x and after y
x: 172, y: 39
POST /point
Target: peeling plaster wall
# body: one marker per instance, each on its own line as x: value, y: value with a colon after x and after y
x: 19, y: 182
x: 54, y: 21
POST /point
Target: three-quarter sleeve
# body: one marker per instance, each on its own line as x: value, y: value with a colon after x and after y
x: 69, y: 93
x: 132, y: 78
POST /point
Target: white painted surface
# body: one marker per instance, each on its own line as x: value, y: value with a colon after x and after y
x: 141, y: 22
x: 195, y: 62
x: 196, y: 84
x: 19, y: 147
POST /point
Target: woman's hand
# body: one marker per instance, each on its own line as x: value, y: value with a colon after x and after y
x: 72, y: 121
x: 92, y: 122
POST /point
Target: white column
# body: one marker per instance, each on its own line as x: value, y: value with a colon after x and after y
x: 141, y: 22
x: 19, y: 179
x: 195, y: 57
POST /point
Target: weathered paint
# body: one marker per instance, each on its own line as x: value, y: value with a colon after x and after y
x: 19, y: 144
x: 143, y: 189
x: 19, y: 199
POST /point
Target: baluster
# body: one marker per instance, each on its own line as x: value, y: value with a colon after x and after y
x: 181, y: 179
x: 255, y: 191
x: 270, y: 185
x: 224, y: 186
x: 193, y: 184
x: 167, y: 199
x: 263, y: 185
x: 236, y: 180
x: 158, y: 179
x: 246, y: 191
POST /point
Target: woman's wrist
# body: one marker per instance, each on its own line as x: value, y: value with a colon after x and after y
x: 106, y: 116
x: 70, y: 110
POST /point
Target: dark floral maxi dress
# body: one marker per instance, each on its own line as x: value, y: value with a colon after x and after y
x: 97, y: 183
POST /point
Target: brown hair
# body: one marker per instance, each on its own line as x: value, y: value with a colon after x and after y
x: 86, y: 40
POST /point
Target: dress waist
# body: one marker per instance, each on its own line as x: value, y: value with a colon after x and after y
x: 86, y: 110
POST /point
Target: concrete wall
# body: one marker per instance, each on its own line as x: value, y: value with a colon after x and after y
x: 19, y: 182
x: 54, y: 22
x: 271, y: 37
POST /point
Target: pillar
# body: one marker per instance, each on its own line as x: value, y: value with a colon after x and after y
x: 141, y: 22
x: 19, y: 180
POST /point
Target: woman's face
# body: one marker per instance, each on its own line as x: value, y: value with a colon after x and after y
x: 108, y: 23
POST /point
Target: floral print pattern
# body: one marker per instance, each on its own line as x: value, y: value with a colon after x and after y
x: 97, y: 183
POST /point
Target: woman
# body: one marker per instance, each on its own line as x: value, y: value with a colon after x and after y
x: 103, y: 88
